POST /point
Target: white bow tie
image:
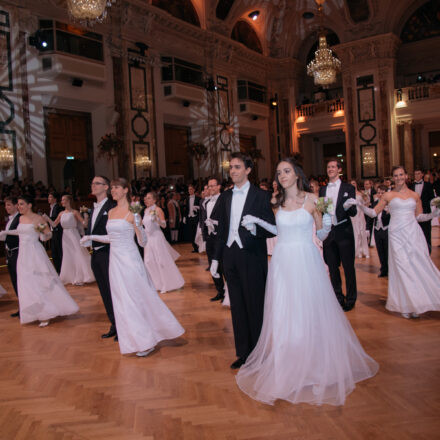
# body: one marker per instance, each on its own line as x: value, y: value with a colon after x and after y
x: 331, y: 185
x: 238, y: 190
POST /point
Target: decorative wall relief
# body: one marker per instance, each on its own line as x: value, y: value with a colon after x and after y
x: 367, y: 131
x: 7, y: 111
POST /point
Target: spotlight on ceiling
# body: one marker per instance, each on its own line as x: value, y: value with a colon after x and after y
x: 308, y: 15
x: 254, y: 15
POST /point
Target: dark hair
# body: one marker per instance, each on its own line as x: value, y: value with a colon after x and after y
x: 55, y: 195
x: 397, y: 167
x: 69, y: 197
x: 247, y: 160
x: 383, y: 188
x: 107, y: 182
x: 11, y: 199
x: 302, y: 183
x: 213, y: 178
x: 123, y: 183
x: 335, y: 159
x: 153, y: 194
x: 419, y: 169
x: 26, y: 198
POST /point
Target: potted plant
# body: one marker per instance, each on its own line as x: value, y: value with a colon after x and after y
x: 199, y: 152
x: 109, y: 146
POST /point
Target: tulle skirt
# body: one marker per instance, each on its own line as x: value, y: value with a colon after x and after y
x: 307, y: 350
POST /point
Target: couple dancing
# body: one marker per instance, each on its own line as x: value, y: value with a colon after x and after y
x: 292, y: 339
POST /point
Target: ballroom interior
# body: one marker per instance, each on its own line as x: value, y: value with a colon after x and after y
x: 232, y: 75
x: 316, y: 79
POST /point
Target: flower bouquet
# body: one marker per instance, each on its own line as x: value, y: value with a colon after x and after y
x: 436, y: 202
x: 135, y: 207
x: 84, y: 210
x: 40, y: 227
x: 324, y: 205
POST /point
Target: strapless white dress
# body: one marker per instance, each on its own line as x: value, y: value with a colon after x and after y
x: 75, y: 265
x: 142, y: 318
x: 307, y: 350
x: 41, y: 294
x: 160, y: 257
x: 413, y: 279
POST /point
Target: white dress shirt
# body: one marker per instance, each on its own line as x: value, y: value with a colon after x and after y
x: 96, y: 210
x: 191, y: 206
x: 51, y: 209
x: 238, y: 199
x: 418, y: 187
x: 332, y: 193
x: 210, y: 205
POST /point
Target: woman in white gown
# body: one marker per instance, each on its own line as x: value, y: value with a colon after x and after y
x: 413, y: 279
x: 75, y: 266
x: 159, y: 256
x: 271, y: 242
x: 360, y: 227
x: 142, y: 318
x: 42, y: 294
x: 307, y: 350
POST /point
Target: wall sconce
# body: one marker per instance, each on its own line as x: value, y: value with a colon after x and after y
x: 144, y: 161
x: 273, y: 103
x: 6, y: 157
x: 225, y: 165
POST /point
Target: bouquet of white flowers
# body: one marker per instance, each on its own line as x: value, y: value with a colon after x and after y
x: 324, y: 205
x: 135, y: 207
x: 40, y: 227
x: 436, y: 202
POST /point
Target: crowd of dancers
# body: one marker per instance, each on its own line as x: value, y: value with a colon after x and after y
x: 289, y: 312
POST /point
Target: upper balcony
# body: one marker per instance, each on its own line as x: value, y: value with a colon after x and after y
x: 417, y: 102
x: 320, y: 117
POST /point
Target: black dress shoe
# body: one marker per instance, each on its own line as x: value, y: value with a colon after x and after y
x: 382, y: 275
x: 348, y: 307
x: 109, y: 334
x: 116, y: 338
x: 194, y: 251
x: 208, y: 269
x: 238, y: 363
x: 218, y: 297
x: 16, y: 314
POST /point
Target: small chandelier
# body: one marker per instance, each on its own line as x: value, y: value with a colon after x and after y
x: 6, y: 157
x: 144, y: 161
x: 89, y: 11
x: 325, y: 66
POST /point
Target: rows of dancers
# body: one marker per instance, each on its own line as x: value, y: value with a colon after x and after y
x: 292, y: 338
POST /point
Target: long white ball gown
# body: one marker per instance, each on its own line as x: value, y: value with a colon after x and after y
x: 307, y: 350
x: 360, y: 231
x: 160, y: 257
x: 142, y: 318
x: 413, y: 279
x: 75, y: 265
x: 41, y: 294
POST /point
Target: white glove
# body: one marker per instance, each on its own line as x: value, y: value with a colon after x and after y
x: 85, y: 241
x: 214, y: 268
x: 45, y: 237
x: 211, y: 224
x: 428, y: 217
x: 3, y: 235
x: 137, y: 219
x: 349, y: 203
x: 250, y: 223
x: 368, y: 211
x: 184, y: 220
x: 252, y: 220
x: 322, y: 234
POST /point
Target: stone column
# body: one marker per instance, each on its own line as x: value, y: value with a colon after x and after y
x: 408, y: 147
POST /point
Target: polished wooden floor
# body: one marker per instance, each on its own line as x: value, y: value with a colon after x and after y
x: 65, y: 382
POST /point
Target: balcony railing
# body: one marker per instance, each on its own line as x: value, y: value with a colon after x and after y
x: 418, y: 93
x: 320, y: 108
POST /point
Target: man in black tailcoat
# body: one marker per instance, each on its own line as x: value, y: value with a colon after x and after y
x: 56, y: 242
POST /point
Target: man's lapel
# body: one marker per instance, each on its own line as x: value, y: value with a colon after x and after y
x: 340, y: 194
x: 252, y: 193
x: 228, y: 201
x: 100, y: 214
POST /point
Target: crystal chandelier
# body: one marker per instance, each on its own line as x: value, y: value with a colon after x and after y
x: 325, y: 66
x: 6, y: 157
x: 144, y: 161
x: 89, y: 11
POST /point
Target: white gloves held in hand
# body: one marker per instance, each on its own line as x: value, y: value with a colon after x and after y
x: 214, y: 268
x: 85, y: 241
x: 349, y: 203
x: 322, y: 234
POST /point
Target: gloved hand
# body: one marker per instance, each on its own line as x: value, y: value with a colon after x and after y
x: 322, y: 234
x: 214, y: 268
x: 137, y: 219
x: 428, y: 217
x: 211, y: 224
x: 85, y: 241
x: 349, y: 203
x: 250, y: 223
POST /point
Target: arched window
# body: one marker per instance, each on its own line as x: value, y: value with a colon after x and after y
x: 223, y: 8
x: 245, y: 34
x: 359, y: 10
x: 424, y: 23
x: 182, y: 9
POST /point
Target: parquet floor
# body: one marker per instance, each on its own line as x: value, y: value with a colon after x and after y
x: 64, y: 382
